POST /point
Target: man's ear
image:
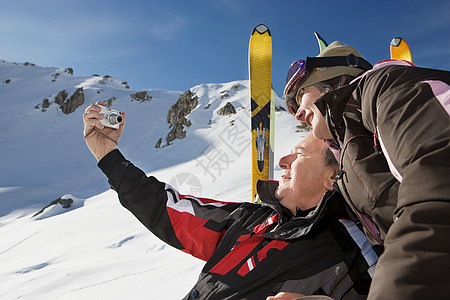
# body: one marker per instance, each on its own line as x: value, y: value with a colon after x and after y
x: 330, y: 180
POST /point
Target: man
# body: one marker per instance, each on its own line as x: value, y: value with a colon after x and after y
x: 390, y: 130
x: 299, y: 241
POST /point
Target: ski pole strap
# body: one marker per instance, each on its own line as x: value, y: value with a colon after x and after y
x: 350, y: 60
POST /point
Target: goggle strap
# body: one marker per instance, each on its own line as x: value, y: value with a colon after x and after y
x: 350, y: 60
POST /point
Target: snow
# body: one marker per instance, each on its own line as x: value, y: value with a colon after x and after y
x: 96, y: 248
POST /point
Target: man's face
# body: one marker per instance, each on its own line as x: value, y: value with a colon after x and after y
x: 304, y: 179
x: 309, y: 112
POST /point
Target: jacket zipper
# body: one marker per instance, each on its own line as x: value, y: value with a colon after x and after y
x: 376, y: 145
x: 376, y: 235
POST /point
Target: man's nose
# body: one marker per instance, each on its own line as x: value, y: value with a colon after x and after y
x: 285, y: 161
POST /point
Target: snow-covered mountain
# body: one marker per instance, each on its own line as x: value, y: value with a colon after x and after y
x: 95, y: 249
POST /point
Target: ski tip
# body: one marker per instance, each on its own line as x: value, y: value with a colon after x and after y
x: 322, y: 43
x: 261, y: 29
x: 396, y: 41
x: 400, y: 50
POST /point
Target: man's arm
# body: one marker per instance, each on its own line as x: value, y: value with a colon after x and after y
x: 190, y: 224
x: 193, y: 225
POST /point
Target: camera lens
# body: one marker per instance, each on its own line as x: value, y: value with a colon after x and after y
x: 115, y: 119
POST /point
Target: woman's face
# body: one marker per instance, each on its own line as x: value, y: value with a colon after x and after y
x: 309, y: 112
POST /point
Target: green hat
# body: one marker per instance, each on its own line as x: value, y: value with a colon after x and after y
x: 334, y: 49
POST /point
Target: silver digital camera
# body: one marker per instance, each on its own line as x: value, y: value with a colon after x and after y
x: 112, y: 117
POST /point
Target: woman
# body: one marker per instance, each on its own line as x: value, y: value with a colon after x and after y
x: 390, y: 129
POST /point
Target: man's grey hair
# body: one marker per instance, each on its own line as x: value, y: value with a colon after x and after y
x: 330, y: 160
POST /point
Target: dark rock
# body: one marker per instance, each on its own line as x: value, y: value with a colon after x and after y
x: 177, y: 132
x: 69, y: 71
x: 140, y: 96
x: 176, y: 116
x: 45, y: 104
x: 110, y: 101
x: 158, y: 143
x: 224, y: 94
x: 228, y: 109
x: 125, y: 84
x: 75, y: 101
x: 55, y: 76
x: 65, y: 203
x: 61, y: 97
x: 66, y: 105
x: 303, y: 127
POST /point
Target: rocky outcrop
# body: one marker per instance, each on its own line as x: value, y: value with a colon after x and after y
x: 303, y: 127
x: 177, y: 115
x: 235, y: 87
x: 140, y: 96
x: 125, y: 84
x: 65, y: 202
x: 75, y: 101
x: 110, y: 101
x: 158, y: 143
x: 67, y: 70
x: 45, y: 104
x: 67, y: 105
x: 226, y: 93
x: 61, y: 97
x: 228, y: 109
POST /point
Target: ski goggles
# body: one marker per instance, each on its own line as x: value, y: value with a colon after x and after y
x: 296, y: 75
x: 300, y: 69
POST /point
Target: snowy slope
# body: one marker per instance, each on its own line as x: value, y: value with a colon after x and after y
x: 96, y: 249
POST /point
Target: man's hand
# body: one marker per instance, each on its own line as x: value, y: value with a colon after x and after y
x: 100, y: 139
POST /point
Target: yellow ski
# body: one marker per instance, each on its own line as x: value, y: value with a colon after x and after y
x: 400, y: 50
x: 260, y: 69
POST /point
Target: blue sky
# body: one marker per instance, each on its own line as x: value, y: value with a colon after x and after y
x: 176, y: 45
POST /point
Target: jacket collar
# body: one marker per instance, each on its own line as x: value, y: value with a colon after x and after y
x: 266, y: 192
x: 291, y: 226
x: 332, y: 105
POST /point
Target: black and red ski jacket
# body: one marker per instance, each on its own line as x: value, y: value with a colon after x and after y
x: 252, y: 251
